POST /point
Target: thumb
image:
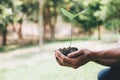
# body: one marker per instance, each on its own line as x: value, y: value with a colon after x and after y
x: 75, y: 54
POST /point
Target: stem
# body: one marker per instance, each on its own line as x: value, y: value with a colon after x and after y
x: 71, y: 34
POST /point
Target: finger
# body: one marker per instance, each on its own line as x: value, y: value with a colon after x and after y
x: 57, y: 58
x: 60, y: 56
x: 75, y: 54
x: 59, y: 62
x: 65, y: 61
x: 63, y: 64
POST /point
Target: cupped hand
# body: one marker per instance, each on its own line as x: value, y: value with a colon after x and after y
x: 74, y: 59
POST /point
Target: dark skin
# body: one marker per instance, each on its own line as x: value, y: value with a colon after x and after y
x: 83, y: 56
x: 73, y: 61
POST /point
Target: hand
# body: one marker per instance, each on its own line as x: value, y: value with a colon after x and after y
x: 74, y: 59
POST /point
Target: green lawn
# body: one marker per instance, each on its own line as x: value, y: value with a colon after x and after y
x: 50, y: 70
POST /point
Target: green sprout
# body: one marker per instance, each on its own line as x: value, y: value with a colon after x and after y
x: 71, y: 17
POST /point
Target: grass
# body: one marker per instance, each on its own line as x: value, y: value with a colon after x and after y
x: 50, y: 70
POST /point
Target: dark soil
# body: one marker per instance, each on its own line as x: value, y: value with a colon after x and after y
x: 67, y: 50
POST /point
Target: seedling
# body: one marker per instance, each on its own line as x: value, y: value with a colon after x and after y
x: 71, y: 17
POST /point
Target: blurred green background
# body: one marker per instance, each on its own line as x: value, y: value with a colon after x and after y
x: 31, y: 30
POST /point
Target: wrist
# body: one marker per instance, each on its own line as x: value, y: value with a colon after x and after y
x: 88, y: 53
x: 96, y: 55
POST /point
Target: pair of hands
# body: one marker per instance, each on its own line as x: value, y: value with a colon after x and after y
x: 74, y: 59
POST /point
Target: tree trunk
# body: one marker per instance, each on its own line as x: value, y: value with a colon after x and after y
x: 45, y: 21
x: 13, y: 27
x: 41, y: 2
x: 89, y: 33
x: 49, y: 19
x: 119, y: 30
x: 4, y: 37
x: 20, y: 32
x: 53, y: 22
x: 44, y: 33
x: 52, y: 32
x: 99, y: 33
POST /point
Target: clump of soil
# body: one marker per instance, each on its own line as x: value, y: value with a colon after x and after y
x: 67, y: 50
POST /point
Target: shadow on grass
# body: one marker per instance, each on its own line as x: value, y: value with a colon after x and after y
x: 8, y: 48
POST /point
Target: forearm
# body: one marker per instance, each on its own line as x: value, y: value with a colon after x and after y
x: 106, y: 54
x: 107, y: 62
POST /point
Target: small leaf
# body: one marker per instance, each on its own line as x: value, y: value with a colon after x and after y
x: 68, y: 14
x: 80, y: 13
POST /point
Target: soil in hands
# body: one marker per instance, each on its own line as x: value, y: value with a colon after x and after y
x: 67, y: 50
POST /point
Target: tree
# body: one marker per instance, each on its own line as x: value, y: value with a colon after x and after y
x: 89, y: 20
x: 41, y: 2
x: 93, y: 20
x: 5, y: 18
x: 29, y: 10
x: 50, y: 13
x: 111, y: 15
x: 14, y: 11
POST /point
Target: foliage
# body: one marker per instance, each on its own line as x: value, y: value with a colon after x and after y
x: 12, y: 11
x: 92, y: 21
x: 30, y: 9
x: 112, y: 24
x: 87, y: 20
x: 5, y: 13
x: 112, y: 14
